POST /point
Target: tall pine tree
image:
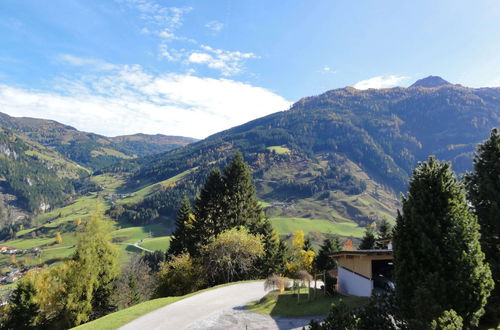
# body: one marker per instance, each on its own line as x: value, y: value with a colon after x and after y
x: 183, y: 236
x: 210, y: 214
x: 439, y: 264
x: 323, y: 260
x: 368, y: 241
x: 241, y: 205
x: 484, y: 193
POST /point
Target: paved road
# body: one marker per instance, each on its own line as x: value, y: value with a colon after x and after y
x: 192, y: 310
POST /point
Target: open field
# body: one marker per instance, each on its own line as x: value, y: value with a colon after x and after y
x: 157, y: 243
x: 280, y: 150
x: 285, y: 226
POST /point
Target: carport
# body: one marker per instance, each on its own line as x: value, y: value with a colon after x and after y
x: 360, y: 271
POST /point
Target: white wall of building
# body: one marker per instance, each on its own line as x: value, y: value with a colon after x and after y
x: 354, y: 284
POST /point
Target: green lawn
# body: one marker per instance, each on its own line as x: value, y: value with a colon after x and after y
x: 285, y: 226
x: 145, y: 191
x: 120, y: 318
x: 280, y: 150
x: 157, y: 243
x: 286, y: 304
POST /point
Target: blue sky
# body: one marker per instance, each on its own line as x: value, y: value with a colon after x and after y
x: 196, y: 67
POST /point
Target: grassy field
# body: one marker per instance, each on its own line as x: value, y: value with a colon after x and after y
x: 157, y: 243
x: 120, y: 318
x: 145, y: 191
x: 286, y: 304
x: 280, y: 150
x: 286, y: 226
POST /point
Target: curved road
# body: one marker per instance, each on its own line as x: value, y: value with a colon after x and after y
x: 186, y: 312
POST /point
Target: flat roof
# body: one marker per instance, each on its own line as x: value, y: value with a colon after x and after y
x: 361, y: 252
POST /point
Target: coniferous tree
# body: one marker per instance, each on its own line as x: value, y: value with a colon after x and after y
x: 24, y: 307
x: 324, y: 261
x: 182, y: 237
x: 384, y: 230
x: 241, y: 206
x: 484, y: 193
x: 439, y: 264
x: 275, y: 252
x: 209, y: 208
x: 384, y: 233
x: 368, y: 241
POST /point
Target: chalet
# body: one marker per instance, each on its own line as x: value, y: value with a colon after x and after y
x: 362, y: 271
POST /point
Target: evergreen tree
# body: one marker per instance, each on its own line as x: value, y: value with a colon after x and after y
x: 209, y: 208
x: 384, y: 233
x: 241, y: 206
x: 368, y: 241
x: 438, y: 260
x: 275, y: 252
x: 484, y: 193
x: 182, y: 238
x: 384, y: 230
x: 324, y: 261
x: 23, y: 306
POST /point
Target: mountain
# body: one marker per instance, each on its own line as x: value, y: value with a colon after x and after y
x: 89, y: 149
x: 33, y: 179
x: 345, y: 154
x: 430, y: 82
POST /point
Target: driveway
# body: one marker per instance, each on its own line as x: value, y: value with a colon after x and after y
x: 191, y: 311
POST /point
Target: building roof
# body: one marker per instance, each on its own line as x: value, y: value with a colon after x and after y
x: 361, y: 252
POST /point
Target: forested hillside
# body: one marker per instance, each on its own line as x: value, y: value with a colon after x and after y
x: 32, y: 178
x: 346, y: 142
x: 89, y: 149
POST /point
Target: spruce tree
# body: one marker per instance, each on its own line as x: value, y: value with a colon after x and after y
x: 275, y: 252
x: 241, y: 205
x: 438, y: 260
x: 209, y: 208
x: 324, y: 261
x: 368, y: 241
x: 182, y: 237
x: 484, y: 193
x: 23, y: 306
x: 384, y: 230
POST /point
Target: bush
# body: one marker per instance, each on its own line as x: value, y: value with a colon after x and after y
x: 179, y: 276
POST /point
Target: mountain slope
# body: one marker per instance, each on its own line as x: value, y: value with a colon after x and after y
x: 33, y: 179
x: 91, y: 150
x: 344, y: 143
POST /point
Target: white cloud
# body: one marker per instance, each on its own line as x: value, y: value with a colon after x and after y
x: 227, y: 62
x: 380, y: 82
x: 93, y: 63
x: 214, y: 26
x: 129, y: 100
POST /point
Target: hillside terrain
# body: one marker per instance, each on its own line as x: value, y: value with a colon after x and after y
x: 346, y: 154
x: 88, y: 149
x: 333, y: 163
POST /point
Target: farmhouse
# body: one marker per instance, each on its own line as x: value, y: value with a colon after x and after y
x: 362, y: 271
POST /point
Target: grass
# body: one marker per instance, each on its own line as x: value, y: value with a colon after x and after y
x: 280, y: 150
x: 147, y: 190
x: 157, y: 243
x: 286, y: 304
x: 120, y: 318
x: 286, y: 226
